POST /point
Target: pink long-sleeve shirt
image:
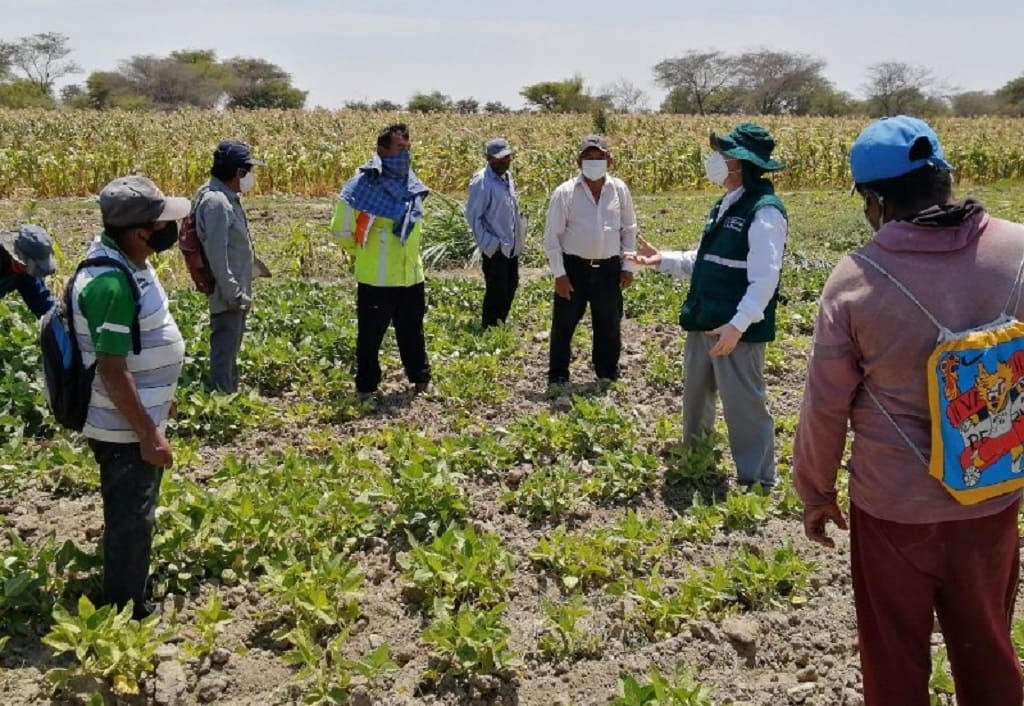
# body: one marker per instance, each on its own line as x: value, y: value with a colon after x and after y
x: 868, y: 332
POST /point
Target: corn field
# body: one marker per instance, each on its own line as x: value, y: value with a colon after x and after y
x: 46, y: 154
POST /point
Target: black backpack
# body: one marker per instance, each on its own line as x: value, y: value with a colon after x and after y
x: 68, y: 381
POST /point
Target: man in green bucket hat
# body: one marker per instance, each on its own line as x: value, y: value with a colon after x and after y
x: 729, y: 311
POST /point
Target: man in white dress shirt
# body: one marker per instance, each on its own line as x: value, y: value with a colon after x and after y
x: 729, y: 311
x: 591, y: 223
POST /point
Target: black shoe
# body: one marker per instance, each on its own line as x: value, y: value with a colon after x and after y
x: 421, y: 388
x: 146, y: 609
x: 558, y: 388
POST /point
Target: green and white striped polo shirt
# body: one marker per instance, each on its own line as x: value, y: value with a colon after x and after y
x: 104, y: 310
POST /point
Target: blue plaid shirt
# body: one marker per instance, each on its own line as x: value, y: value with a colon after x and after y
x: 375, y: 192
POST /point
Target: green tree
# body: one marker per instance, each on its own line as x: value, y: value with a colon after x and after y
x: 385, y: 106
x: 779, y: 82
x: 275, y: 93
x: 40, y: 59
x: 168, y: 82
x: 467, y: 106
x: 895, y: 88
x: 103, y: 89
x: 698, y: 82
x: 830, y: 101
x: 568, y: 96
x: 257, y: 83
x: 22, y: 93
x: 496, y: 108
x: 682, y: 100
x: 74, y: 96
x: 1011, y: 97
x: 434, y: 102
x: 5, y: 61
x: 971, y: 103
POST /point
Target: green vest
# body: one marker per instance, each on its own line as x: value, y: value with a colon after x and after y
x: 719, y: 278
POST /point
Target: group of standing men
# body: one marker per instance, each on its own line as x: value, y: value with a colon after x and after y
x: 915, y: 550
x: 591, y: 242
x: 119, y: 314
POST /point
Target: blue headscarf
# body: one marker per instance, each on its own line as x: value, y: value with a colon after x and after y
x: 388, y: 187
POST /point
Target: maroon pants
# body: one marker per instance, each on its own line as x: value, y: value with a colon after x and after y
x: 967, y: 573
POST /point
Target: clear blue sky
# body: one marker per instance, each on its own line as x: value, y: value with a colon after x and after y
x: 345, y: 50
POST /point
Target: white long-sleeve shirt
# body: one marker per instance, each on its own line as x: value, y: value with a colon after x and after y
x: 577, y: 225
x: 767, y: 240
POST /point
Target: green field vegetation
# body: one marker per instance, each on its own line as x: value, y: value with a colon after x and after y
x: 480, y: 503
x: 74, y: 153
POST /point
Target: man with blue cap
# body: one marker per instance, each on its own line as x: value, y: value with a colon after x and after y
x: 223, y: 229
x: 729, y: 311
x: 917, y: 549
x: 498, y: 228
x: 26, y: 257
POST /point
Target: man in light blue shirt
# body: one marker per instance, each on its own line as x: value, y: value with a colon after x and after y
x: 498, y: 228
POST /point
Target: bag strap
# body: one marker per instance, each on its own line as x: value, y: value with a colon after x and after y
x: 203, y: 191
x: 106, y: 261
x: 903, y: 435
x: 1018, y: 285
x: 943, y: 334
x: 1008, y: 311
x: 943, y: 331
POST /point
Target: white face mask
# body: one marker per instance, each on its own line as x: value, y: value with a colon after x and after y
x: 881, y: 214
x: 716, y: 169
x: 594, y: 169
x: 248, y: 181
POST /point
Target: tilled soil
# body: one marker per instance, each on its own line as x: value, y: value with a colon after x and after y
x: 804, y: 653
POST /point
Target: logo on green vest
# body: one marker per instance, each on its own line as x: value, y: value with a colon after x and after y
x: 735, y: 223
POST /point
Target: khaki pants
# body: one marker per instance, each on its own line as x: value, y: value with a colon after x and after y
x: 738, y: 379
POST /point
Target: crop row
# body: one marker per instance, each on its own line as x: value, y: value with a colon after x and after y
x: 68, y: 153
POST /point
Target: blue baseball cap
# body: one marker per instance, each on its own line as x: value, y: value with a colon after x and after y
x: 498, y: 148
x: 892, y: 147
x: 232, y: 153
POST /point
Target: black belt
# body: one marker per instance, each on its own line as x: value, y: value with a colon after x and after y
x: 593, y: 262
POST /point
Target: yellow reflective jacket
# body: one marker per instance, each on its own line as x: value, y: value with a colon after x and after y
x: 381, y: 258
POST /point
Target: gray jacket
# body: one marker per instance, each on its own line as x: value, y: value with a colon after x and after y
x: 224, y: 231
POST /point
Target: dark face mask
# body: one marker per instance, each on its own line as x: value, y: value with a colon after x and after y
x: 500, y: 166
x: 165, y: 238
x: 397, y: 165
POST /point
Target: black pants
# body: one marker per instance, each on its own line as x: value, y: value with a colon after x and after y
x: 130, y: 488
x: 501, y: 279
x: 377, y: 308
x: 598, y: 285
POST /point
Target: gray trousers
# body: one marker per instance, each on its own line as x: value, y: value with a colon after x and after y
x: 226, y: 331
x: 738, y: 378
